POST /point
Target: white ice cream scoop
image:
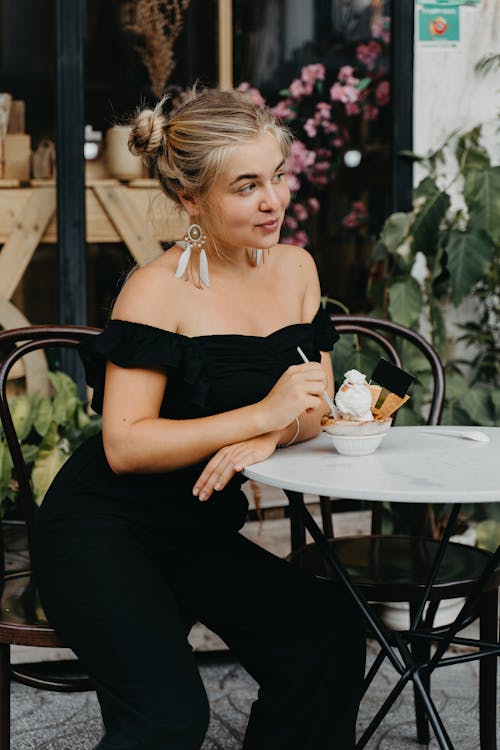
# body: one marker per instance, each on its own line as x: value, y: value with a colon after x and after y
x: 354, y: 401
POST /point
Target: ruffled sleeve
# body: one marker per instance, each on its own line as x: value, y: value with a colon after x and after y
x: 130, y: 345
x: 324, y: 332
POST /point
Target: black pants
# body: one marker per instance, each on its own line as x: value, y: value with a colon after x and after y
x: 114, y: 589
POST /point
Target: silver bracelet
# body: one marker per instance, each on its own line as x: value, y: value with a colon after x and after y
x: 285, y: 445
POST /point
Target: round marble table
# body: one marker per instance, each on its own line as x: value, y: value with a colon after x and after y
x: 410, y: 465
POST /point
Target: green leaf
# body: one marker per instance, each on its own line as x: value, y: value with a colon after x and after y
x: 22, y: 415
x: 495, y: 398
x: 469, y: 256
x: 477, y: 403
x: 453, y: 414
x: 347, y: 355
x: 425, y: 228
x: 363, y: 83
x: 456, y: 386
x: 43, y: 416
x: 5, y: 465
x: 482, y: 195
x: 410, y: 155
x: 379, y: 252
x: 439, y: 339
x: 405, y: 302
x: 29, y: 452
x: 488, y: 534
x: 52, y: 455
x: 63, y: 383
x: 395, y: 230
x: 469, y: 153
x: 407, y: 417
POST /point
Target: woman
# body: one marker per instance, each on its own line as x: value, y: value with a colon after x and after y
x: 197, y: 376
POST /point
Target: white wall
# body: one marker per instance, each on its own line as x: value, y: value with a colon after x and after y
x: 448, y: 94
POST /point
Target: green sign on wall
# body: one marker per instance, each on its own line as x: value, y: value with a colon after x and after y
x: 439, y: 25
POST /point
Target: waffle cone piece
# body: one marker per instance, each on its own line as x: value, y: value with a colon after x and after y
x: 391, y: 404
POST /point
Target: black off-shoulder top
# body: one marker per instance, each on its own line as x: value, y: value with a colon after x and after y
x: 205, y: 375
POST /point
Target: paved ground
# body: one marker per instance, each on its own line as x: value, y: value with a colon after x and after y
x: 58, y: 721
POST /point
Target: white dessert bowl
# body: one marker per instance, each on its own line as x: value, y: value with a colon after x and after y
x: 356, y: 445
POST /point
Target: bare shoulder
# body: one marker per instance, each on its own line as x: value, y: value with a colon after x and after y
x: 298, y: 269
x: 149, y: 295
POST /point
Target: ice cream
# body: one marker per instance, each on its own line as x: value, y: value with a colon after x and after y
x: 354, y: 397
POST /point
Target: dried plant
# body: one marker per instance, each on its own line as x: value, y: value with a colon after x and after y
x: 159, y: 23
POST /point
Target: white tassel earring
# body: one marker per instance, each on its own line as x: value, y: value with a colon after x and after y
x: 194, y: 237
x: 257, y: 256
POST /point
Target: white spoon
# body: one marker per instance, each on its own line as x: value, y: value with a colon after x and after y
x: 477, y: 435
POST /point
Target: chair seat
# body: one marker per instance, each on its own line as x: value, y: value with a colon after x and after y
x: 22, y: 619
x: 395, y: 568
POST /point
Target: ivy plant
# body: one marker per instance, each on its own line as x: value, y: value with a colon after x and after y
x: 49, y: 429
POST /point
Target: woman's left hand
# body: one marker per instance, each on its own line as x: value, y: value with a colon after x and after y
x: 231, y: 459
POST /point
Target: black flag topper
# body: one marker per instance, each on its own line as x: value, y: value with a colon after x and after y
x: 392, y: 378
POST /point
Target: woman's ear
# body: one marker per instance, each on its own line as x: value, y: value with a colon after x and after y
x: 190, y: 204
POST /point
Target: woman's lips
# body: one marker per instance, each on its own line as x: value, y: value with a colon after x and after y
x: 269, y: 226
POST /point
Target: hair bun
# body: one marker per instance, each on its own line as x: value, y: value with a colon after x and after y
x: 148, y: 131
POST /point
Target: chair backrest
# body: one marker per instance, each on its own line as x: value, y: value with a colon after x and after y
x: 18, y: 342
x: 375, y: 328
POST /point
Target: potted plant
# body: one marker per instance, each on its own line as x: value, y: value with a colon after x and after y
x: 49, y: 429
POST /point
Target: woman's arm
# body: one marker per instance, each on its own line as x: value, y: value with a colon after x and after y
x: 136, y: 439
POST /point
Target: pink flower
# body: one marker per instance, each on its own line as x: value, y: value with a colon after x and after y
x: 329, y: 127
x: 300, y: 238
x: 368, y: 53
x: 290, y: 223
x: 320, y: 180
x: 351, y: 108
x: 313, y: 204
x: 323, y: 111
x: 380, y: 29
x: 343, y: 94
x: 313, y: 73
x: 337, y: 142
x: 300, y: 211
x: 383, y: 93
x: 254, y: 94
x: 350, y: 221
x: 311, y: 128
x: 370, y: 112
x: 292, y: 182
x: 359, y: 207
x: 301, y: 157
x: 345, y: 73
x: 322, y: 166
x: 299, y: 88
x: 283, y: 111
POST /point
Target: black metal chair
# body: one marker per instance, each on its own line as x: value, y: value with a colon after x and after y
x: 395, y: 568
x: 22, y: 621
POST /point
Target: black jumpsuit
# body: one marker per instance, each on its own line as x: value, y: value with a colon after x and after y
x: 118, y: 556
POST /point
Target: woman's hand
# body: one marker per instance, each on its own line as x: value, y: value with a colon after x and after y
x: 232, y: 459
x: 299, y: 389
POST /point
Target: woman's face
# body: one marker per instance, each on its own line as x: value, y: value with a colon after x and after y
x: 247, y: 202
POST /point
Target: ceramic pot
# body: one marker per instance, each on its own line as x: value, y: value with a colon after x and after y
x: 121, y: 163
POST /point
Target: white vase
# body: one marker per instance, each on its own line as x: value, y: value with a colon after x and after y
x: 122, y: 164
x: 396, y: 615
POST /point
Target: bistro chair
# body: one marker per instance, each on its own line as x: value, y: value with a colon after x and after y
x: 395, y: 568
x: 22, y: 621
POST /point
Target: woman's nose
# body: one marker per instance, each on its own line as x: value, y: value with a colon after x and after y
x: 270, y: 201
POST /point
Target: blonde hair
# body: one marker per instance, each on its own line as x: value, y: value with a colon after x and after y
x: 189, y: 147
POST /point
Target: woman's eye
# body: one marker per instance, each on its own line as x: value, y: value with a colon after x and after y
x: 277, y: 177
x: 248, y: 188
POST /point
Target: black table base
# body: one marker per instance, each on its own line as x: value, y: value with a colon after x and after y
x: 395, y: 646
